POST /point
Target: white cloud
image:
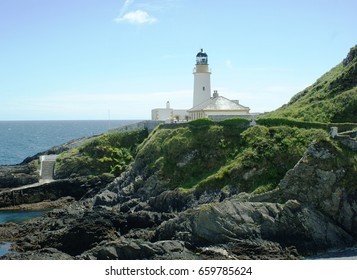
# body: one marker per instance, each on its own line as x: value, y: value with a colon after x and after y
x: 125, y: 7
x: 136, y: 17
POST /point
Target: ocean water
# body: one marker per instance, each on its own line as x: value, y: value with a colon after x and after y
x: 15, y: 217
x: 4, y: 248
x: 21, y: 139
x: 341, y: 254
x: 18, y: 216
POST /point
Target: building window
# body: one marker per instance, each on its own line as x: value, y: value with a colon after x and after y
x: 203, y: 88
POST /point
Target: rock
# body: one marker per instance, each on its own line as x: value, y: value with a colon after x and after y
x: 324, y: 179
x: 351, y: 56
x: 47, y: 204
x: 169, y: 201
x: 260, y: 250
x: 53, y: 190
x: 289, y: 224
x: 319, y: 152
x: 42, y: 254
x: 131, y: 249
x: 134, y: 205
x: 12, y: 176
x: 71, y: 231
x: 9, y: 231
x: 105, y: 198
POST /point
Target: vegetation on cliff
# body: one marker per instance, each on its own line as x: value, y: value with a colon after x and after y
x: 211, y: 157
x: 108, y: 153
x: 199, y: 156
x: 332, y: 98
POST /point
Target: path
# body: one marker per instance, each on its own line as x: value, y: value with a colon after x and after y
x: 35, y: 185
x: 47, y: 166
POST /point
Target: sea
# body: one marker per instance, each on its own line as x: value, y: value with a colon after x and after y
x: 19, y: 216
x: 15, y: 217
x: 21, y: 139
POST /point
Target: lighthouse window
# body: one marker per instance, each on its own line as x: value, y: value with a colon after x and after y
x: 203, y: 88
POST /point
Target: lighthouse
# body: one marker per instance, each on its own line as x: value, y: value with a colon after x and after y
x: 202, y: 79
x: 214, y: 107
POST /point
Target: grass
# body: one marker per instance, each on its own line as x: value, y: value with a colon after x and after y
x: 109, y: 153
x: 332, y: 98
x: 210, y: 157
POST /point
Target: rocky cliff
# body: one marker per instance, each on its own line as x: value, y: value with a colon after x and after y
x: 18, y: 175
x: 209, y: 192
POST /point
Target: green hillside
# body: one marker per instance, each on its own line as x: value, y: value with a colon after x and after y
x: 332, y: 98
x: 211, y: 157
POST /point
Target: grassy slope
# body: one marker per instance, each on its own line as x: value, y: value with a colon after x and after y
x: 108, y: 153
x: 198, y: 157
x: 214, y: 156
x: 332, y: 98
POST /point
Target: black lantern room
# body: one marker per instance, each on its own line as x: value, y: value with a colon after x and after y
x: 201, y: 58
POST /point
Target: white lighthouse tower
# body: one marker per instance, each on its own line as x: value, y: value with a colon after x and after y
x: 202, y: 79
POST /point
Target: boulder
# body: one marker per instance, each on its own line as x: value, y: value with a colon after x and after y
x: 325, y: 180
x: 12, y: 176
x: 42, y: 254
x: 131, y: 249
x: 105, y: 198
x: 289, y: 224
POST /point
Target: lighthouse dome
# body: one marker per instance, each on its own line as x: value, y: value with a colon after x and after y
x: 201, y: 58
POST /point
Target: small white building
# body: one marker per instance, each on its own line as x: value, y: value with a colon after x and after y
x: 218, y: 106
x: 162, y: 114
x: 169, y: 115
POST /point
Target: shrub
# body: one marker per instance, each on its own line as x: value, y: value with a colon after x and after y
x: 265, y: 155
x: 201, y: 122
x: 239, y: 122
x: 107, y: 153
x: 303, y: 124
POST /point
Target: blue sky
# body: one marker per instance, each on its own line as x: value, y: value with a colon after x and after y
x: 86, y: 59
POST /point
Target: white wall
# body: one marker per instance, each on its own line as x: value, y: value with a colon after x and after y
x: 181, y: 114
x: 161, y: 114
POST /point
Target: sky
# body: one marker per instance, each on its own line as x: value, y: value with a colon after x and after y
x: 118, y: 59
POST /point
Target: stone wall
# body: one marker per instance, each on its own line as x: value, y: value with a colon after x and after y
x: 219, y: 118
x: 347, y: 141
x: 346, y: 138
x: 149, y: 125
